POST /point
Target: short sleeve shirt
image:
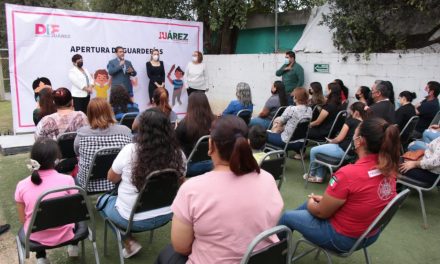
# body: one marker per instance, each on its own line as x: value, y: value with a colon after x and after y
x: 352, y: 124
x: 273, y: 103
x: 332, y: 113
x: 53, y: 125
x: 365, y: 191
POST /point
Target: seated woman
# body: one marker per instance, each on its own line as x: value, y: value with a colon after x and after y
x: 317, y: 99
x: 196, y: 124
x: 64, y: 120
x: 336, y: 147
x: 290, y: 118
x: 320, y: 127
x: 102, y: 132
x: 357, y: 193
x: 406, y: 109
x: 121, y: 102
x: 429, y: 135
x: 217, y: 215
x: 244, y: 100
x: 428, y: 168
x: 44, y: 177
x: 45, y: 105
x: 271, y: 106
x: 155, y: 148
x: 363, y: 95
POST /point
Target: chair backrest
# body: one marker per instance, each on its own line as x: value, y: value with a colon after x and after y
x: 276, y: 253
x: 101, y: 163
x: 436, y: 119
x: 200, y: 150
x: 278, y: 113
x: 316, y: 111
x: 65, y: 142
x: 301, y: 130
x: 246, y: 115
x: 274, y: 163
x: 338, y: 123
x: 408, y: 129
x: 128, y: 119
x: 382, y: 219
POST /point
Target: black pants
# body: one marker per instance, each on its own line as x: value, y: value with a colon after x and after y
x: 192, y: 90
x: 317, y: 133
x: 81, y: 103
x: 169, y: 256
x: 422, y: 175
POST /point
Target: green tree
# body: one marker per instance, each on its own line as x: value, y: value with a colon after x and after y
x: 366, y: 26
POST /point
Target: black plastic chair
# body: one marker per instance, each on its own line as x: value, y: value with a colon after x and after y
x: 65, y: 142
x: 159, y: 191
x: 278, y: 113
x: 274, y: 162
x: 199, y: 153
x: 101, y: 163
x: 128, y: 118
x: 246, y: 115
x: 407, y: 131
x: 379, y: 223
x: 56, y: 212
x: 276, y: 253
x: 335, y: 128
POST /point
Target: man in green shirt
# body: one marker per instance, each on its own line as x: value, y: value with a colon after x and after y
x: 292, y: 74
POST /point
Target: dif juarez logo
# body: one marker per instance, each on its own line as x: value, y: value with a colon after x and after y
x: 49, y: 30
x: 173, y: 36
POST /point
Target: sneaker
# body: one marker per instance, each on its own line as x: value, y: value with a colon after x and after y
x: 43, y: 261
x: 312, y: 178
x: 73, y: 251
x: 296, y: 156
x: 133, y: 249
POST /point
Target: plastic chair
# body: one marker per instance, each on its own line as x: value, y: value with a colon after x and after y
x: 274, y: 162
x: 56, y: 212
x: 379, y: 223
x: 101, y: 163
x: 335, y: 128
x: 277, y: 253
x: 278, y: 113
x: 65, y: 142
x: 407, y: 131
x: 246, y: 115
x: 128, y: 118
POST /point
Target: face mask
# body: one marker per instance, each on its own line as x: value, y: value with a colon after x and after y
x: 398, y: 104
x: 286, y: 61
x: 156, y: 57
x: 358, y: 97
x: 195, y: 58
x: 79, y: 64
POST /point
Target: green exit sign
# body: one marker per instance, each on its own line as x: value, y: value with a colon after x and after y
x: 321, y: 68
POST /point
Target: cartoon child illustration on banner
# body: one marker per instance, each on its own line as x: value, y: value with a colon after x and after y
x: 177, y: 83
x: 102, y: 83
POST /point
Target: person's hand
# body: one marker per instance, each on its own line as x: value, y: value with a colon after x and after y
x: 434, y: 126
x: 288, y: 68
x: 407, y: 165
x: 130, y: 69
x: 315, y: 198
x: 90, y: 88
x: 121, y: 62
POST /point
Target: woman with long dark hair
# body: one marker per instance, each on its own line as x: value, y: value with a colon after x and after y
x: 223, y: 210
x: 46, y: 106
x: 363, y: 95
x: 155, y: 148
x: 271, y: 106
x: 121, y: 102
x: 406, y: 109
x: 357, y: 193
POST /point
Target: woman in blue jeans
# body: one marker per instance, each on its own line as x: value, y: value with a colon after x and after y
x: 429, y: 135
x: 357, y: 193
x: 336, y: 147
x: 155, y: 148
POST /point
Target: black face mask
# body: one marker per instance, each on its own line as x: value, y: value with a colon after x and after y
x: 79, y: 64
x: 358, y: 97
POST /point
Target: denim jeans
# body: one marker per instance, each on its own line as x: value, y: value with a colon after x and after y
x: 198, y: 168
x: 427, y: 137
x: 332, y: 150
x: 320, y: 231
x: 110, y: 212
x: 260, y: 121
x: 275, y: 139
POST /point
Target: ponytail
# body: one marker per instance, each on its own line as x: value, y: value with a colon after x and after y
x: 163, y: 104
x: 34, y: 166
x: 44, y: 152
x: 35, y: 178
x: 242, y: 161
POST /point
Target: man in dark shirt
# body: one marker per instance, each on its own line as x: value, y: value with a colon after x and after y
x: 382, y: 106
x: 429, y: 107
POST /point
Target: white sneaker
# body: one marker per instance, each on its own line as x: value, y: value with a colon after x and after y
x: 134, y: 248
x: 43, y: 261
x: 73, y: 251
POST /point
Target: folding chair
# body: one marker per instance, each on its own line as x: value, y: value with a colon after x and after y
x: 276, y: 253
x: 274, y: 162
x: 278, y: 113
x: 407, y: 131
x: 419, y: 187
x: 65, y: 142
x: 101, y: 163
x: 246, y: 115
x: 436, y: 119
x: 335, y: 128
x: 379, y: 223
x: 315, y: 112
x: 56, y: 212
x: 299, y: 135
x: 200, y: 152
x: 128, y: 118
x: 330, y: 162
x: 159, y: 191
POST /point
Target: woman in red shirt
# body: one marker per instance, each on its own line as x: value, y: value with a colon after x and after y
x: 356, y: 194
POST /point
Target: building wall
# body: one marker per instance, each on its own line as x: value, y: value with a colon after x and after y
x: 406, y: 72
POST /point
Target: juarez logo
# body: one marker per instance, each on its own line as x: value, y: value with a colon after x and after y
x: 174, y: 36
x: 49, y: 30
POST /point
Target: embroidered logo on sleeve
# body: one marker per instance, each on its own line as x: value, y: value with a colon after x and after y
x: 333, y: 182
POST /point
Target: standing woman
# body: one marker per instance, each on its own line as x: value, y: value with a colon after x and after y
x: 196, y: 77
x: 156, y: 74
x: 82, y: 84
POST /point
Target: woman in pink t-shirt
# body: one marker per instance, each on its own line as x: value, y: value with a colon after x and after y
x: 44, y: 177
x: 217, y: 214
x: 356, y: 194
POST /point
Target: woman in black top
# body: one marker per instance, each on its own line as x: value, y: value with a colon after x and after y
x: 156, y: 73
x: 320, y: 127
x: 406, y: 109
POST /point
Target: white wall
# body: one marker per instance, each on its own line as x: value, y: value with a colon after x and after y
x: 406, y: 71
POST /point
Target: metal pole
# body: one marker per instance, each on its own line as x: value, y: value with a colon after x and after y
x: 276, y: 27
x: 2, y: 81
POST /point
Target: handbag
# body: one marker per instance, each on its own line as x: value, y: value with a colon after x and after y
x: 414, y: 155
x: 113, y: 192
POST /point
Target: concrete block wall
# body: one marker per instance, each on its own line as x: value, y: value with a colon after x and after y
x: 406, y: 71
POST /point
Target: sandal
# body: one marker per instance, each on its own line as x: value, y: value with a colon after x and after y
x: 133, y: 248
x: 296, y: 156
x: 313, y: 179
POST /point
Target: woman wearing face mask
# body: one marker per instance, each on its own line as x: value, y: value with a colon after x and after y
x: 82, y: 84
x: 405, y: 110
x: 363, y: 95
x: 156, y: 73
x: 196, y: 76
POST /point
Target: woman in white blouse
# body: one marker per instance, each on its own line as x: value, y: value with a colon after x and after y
x: 82, y: 84
x: 196, y: 76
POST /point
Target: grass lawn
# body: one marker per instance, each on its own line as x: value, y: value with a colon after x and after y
x: 5, y: 116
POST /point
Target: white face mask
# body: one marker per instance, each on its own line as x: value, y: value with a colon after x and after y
x: 195, y: 58
x: 156, y: 57
x: 286, y: 61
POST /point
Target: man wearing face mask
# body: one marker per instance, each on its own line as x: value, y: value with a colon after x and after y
x: 121, y: 70
x: 156, y: 73
x: 429, y: 107
x: 82, y: 84
x: 196, y: 76
x: 292, y: 74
